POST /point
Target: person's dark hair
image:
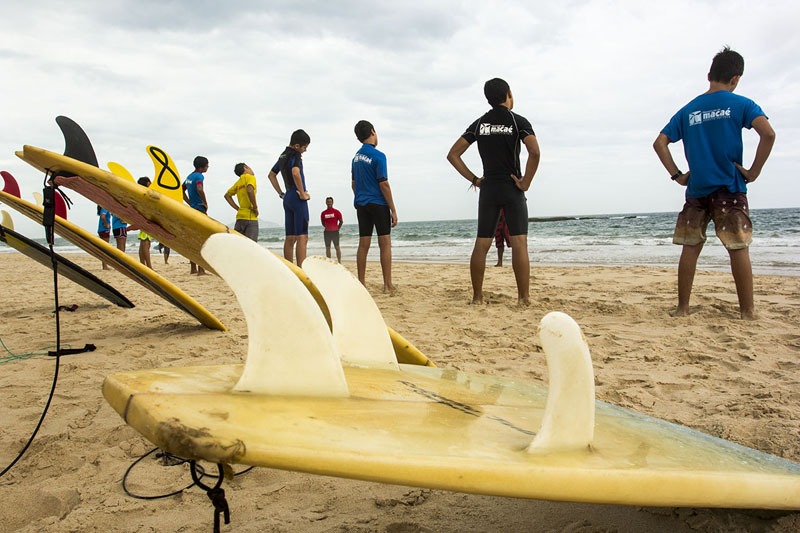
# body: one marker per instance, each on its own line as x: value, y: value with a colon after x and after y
x: 200, y: 162
x: 496, y: 91
x: 99, y: 209
x: 239, y: 169
x: 363, y: 130
x: 300, y: 137
x: 725, y: 65
x: 329, y: 198
x: 144, y: 181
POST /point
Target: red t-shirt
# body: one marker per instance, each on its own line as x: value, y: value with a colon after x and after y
x: 330, y: 219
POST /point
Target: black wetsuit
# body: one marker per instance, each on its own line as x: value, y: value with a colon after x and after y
x: 499, y: 134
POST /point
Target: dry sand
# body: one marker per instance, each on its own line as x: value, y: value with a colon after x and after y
x: 710, y: 371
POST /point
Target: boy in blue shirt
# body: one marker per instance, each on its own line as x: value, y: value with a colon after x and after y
x: 710, y: 127
x: 373, y: 202
x: 195, y: 196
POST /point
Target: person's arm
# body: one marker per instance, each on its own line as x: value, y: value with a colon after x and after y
x: 185, y: 196
x: 229, y: 199
x: 298, y: 184
x: 251, y: 193
x: 661, y: 146
x: 201, y: 194
x: 386, y: 190
x: 339, y: 219
x: 454, y: 156
x: 273, y: 179
x: 532, y: 145
x: 106, y: 222
x: 766, y: 139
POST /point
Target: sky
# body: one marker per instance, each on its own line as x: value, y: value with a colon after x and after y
x: 598, y: 79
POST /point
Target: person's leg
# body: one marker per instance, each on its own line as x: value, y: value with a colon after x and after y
x: 144, y: 253
x: 301, y: 249
x: 361, y: 258
x: 477, y: 267
x: 335, y: 239
x: 328, y: 238
x: 166, y: 255
x: 522, y: 267
x: 288, y: 247
x: 743, y: 277
x: 385, y: 246
x: 687, y: 266
x: 121, y: 243
x: 500, y: 250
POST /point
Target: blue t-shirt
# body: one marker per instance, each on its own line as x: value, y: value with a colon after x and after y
x: 368, y: 170
x: 711, y: 129
x: 117, y: 223
x: 100, y: 226
x: 191, y: 190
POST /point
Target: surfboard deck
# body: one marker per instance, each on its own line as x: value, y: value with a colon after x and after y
x: 294, y: 405
x: 446, y: 429
x: 122, y: 262
x: 174, y: 224
x: 66, y: 268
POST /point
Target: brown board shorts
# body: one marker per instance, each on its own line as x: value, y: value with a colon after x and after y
x: 730, y: 214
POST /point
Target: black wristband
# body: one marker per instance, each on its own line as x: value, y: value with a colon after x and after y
x: 676, y: 175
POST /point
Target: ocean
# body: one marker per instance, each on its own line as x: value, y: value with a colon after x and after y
x: 635, y: 239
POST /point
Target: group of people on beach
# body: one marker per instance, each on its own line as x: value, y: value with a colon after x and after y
x: 710, y: 127
x: 373, y: 201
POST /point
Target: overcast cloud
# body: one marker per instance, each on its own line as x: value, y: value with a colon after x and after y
x: 232, y: 80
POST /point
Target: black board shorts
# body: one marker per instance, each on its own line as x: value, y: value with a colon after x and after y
x: 497, y: 194
x: 373, y: 216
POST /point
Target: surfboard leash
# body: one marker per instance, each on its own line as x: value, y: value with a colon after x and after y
x: 216, y: 494
x: 48, y: 221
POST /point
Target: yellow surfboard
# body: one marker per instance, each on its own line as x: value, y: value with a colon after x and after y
x: 66, y: 268
x: 122, y: 262
x: 172, y: 223
x: 429, y: 427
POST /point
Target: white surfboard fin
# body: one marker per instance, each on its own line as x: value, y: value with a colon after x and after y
x: 358, y: 326
x: 568, y: 422
x: 290, y: 349
x: 7, y: 221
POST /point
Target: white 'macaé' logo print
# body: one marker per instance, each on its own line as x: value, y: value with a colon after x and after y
x: 495, y: 129
x: 698, y: 117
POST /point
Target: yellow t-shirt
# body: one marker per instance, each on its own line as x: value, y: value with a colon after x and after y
x: 239, y: 188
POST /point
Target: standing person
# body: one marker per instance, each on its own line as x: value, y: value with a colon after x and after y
x: 104, y: 227
x: 296, y: 197
x: 247, y: 209
x: 120, y: 230
x: 332, y: 221
x: 710, y: 127
x: 144, y: 238
x: 194, y: 194
x: 373, y: 202
x: 499, y: 133
x: 501, y: 238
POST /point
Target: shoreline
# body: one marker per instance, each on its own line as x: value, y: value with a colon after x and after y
x: 490, y: 258
x: 711, y: 371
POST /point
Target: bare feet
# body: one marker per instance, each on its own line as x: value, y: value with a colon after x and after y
x: 679, y: 312
x: 391, y: 290
x: 524, y: 302
x: 498, y: 264
x: 749, y: 315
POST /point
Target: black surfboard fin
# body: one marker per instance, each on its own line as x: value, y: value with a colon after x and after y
x: 76, y: 143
